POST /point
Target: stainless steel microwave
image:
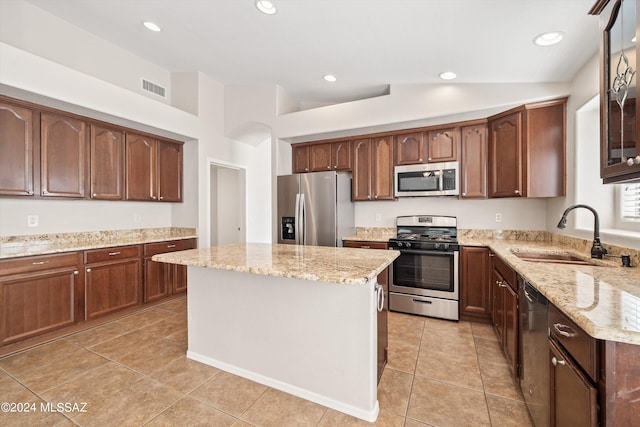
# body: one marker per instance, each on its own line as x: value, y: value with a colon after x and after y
x: 429, y: 179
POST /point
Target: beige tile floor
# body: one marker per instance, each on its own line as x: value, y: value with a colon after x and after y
x: 133, y: 371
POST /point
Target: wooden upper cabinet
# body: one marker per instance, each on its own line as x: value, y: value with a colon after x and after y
x: 154, y: 169
x: 505, y: 156
x: 361, y: 189
x: 442, y: 145
x: 63, y: 145
x: 341, y: 155
x: 473, y: 162
x: 382, y: 173
x: 107, y: 163
x: 16, y: 146
x: 619, y: 145
x: 169, y: 171
x: 320, y: 157
x: 300, y: 156
x: 409, y: 148
x: 527, y: 151
x: 141, y: 168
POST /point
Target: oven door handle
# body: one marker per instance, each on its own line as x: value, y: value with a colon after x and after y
x: 418, y: 252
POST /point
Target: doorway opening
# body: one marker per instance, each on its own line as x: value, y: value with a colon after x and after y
x: 227, y: 210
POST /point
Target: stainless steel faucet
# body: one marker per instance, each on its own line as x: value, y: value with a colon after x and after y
x: 597, y: 251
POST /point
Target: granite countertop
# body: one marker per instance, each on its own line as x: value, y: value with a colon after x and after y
x: 603, y: 299
x: 42, y: 244
x: 317, y: 263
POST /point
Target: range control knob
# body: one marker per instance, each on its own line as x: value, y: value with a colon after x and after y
x: 408, y: 244
x: 445, y: 246
x: 400, y: 244
x: 436, y: 245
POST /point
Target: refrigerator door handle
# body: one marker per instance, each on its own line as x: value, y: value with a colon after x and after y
x: 303, y: 220
x: 296, y: 232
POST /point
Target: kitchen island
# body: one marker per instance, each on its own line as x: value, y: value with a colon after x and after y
x: 301, y: 319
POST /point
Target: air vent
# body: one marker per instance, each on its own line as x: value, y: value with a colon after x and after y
x: 153, y: 88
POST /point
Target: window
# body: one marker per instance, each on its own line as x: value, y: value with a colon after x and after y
x: 629, y: 206
x: 630, y: 196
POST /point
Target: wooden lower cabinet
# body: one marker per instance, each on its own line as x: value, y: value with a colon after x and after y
x: 504, y: 313
x: 161, y: 279
x: 573, y: 398
x: 475, y: 289
x: 38, y: 295
x: 113, y: 280
x: 383, y: 280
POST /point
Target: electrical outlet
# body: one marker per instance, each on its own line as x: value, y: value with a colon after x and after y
x: 378, y: 217
x: 32, y: 221
x: 498, y: 217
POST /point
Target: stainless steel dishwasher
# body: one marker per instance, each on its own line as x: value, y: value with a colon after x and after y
x: 534, y: 352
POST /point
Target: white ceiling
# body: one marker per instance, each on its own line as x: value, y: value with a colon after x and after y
x: 367, y: 44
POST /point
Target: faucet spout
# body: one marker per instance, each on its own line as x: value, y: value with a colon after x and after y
x: 597, y: 250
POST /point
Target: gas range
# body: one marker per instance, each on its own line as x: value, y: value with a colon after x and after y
x: 426, y: 232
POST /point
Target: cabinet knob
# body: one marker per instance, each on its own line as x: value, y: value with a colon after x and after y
x: 557, y: 361
x: 306, y: 169
x: 88, y: 270
x: 160, y: 198
x: 153, y: 197
x: 76, y: 272
x: 45, y: 192
x: 328, y: 167
x: 633, y: 161
x: 464, y: 194
x: 40, y: 263
x: 30, y: 192
x: 369, y: 197
x: 335, y: 167
x: 516, y: 191
x: 429, y: 159
x: 94, y: 195
x: 420, y: 159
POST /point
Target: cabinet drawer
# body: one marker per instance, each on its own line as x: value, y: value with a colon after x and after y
x: 38, y: 263
x: 110, y: 254
x: 506, y: 272
x: 575, y: 341
x: 168, y: 246
x: 365, y: 245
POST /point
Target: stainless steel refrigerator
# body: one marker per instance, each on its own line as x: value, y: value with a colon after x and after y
x: 315, y: 209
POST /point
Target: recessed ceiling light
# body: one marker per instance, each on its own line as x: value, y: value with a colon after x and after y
x: 266, y: 7
x: 448, y: 75
x: 151, y: 26
x: 330, y: 78
x: 548, y: 39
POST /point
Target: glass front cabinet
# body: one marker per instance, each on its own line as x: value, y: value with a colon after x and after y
x: 619, y: 147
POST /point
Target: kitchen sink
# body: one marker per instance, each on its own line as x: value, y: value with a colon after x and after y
x: 553, y: 257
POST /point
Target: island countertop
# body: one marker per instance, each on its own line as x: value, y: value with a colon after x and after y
x: 317, y: 263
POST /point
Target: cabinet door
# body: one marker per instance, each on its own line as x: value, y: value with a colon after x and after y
x: 169, y: 171
x: 442, y: 145
x: 63, y: 148
x: 300, y: 156
x: 574, y: 400
x: 409, y: 148
x: 510, y: 337
x: 619, y: 146
x: 107, y: 163
x: 382, y: 172
x: 35, y: 303
x: 179, y: 278
x: 473, y: 157
x: 111, y: 287
x: 157, y: 280
x: 320, y: 157
x: 497, y: 303
x: 141, y: 168
x: 341, y: 155
x: 475, y: 276
x: 362, y: 169
x: 505, y: 156
x: 16, y: 146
